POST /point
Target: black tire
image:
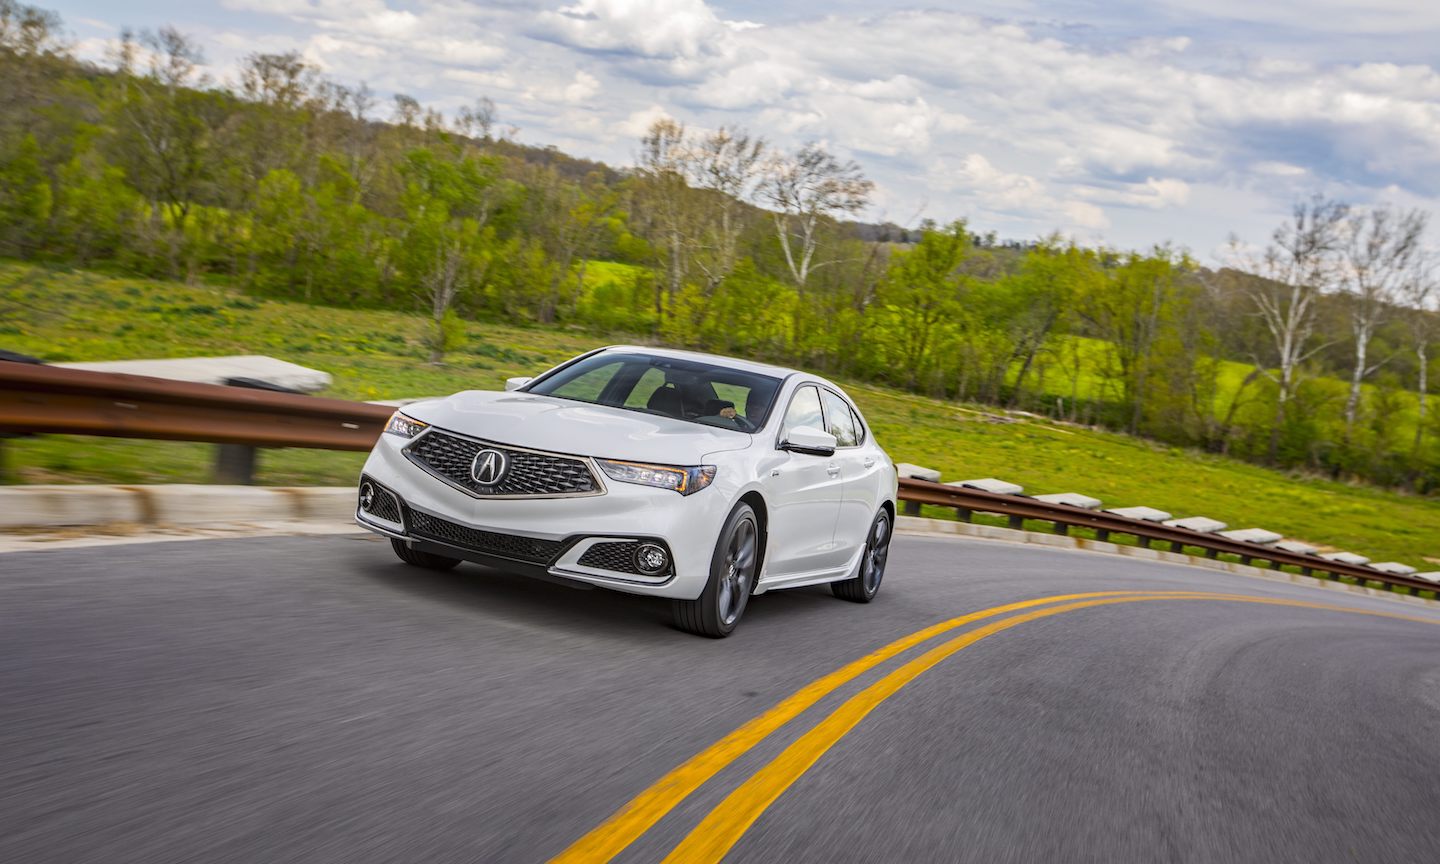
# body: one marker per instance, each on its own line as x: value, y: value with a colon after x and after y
x: 428, y: 560
x: 733, y: 568
x: 865, y: 584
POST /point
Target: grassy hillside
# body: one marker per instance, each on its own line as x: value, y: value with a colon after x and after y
x: 78, y: 315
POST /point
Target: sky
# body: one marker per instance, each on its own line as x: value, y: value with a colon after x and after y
x: 1120, y: 123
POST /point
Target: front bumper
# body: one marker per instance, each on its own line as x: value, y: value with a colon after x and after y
x: 563, y: 537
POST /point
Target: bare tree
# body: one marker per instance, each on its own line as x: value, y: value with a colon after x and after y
x: 663, y: 165
x: 1298, y: 265
x: 729, y: 164
x: 1419, y: 291
x: 805, y: 189
x: 1380, y: 248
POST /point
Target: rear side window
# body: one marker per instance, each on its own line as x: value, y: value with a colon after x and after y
x: 804, y: 410
x: 859, y: 426
x: 840, y: 420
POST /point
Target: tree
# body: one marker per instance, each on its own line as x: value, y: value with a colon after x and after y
x: 1418, y: 293
x: 1283, y: 284
x: 448, y: 205
x: 728, y: 164
x: 662, y: 168
x: 166, y: 137
x: 805, y: 189
x: 1380, y: 248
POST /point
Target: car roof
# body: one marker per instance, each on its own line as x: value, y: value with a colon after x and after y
x: 717, y: 359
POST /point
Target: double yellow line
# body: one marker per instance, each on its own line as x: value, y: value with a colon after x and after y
x: 726, y: 823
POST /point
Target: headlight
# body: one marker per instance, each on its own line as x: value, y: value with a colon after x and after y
x: 685, y: 480
x: 405, y: 427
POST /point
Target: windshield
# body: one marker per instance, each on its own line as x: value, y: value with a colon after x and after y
x: 682, y: 389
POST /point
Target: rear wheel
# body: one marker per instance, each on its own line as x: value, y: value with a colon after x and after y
x: 428, y: 560
x: 865, y: 584
x: 732, y: 575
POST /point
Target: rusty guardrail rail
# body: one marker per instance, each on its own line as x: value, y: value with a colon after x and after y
x: 1018, y: 508
x: 76, y: 402
x: 44, y: 399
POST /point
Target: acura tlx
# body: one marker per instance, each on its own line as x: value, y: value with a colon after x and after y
x: 698, y: 478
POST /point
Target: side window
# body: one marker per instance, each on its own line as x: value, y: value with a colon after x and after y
x: 841, y: 423
x: 859, y: 426
x: 804, y: 410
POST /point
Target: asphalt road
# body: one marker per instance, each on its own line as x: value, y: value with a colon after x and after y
x: 313, y: 700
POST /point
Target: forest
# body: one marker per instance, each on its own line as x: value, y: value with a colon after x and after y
x: 1307, y: 349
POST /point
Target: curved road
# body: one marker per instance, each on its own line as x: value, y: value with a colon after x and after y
x: 310, y: 699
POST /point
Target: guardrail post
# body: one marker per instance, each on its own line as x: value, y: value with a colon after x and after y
x: 1212, y: 553
x: 1274, y: 565
x: 1017, y: 523
x: 1062, y: 529
x: 235, y: 463
x: 1177, y: 546
x: 4, y: 460
x: 964, y: 514
x: 1245, y: 560
x: 910, y: 508
x: 1144, y: 541
x: 1102, y: 535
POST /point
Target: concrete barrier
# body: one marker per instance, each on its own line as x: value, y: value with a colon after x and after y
x: 1297, y: 547
x: 1198, y: 524
x: 1148, y: 514
x: 1345, y: 558
x: 1253, y: 535
x: 905, y: 469
x: 1394, y: 568
x: 990, y: 484
x: 1072, y: 499
x: 58, y: 507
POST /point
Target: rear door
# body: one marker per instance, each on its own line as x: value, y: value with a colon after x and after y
x: 804, y: 494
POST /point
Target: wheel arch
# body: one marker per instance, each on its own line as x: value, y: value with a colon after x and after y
x: 762, y: 515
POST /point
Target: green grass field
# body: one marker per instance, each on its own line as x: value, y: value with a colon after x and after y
x: 77, y: 315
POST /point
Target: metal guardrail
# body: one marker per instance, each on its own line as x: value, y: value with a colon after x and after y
x: 76, y: 402
x: 45, y: 399
x: 1017, y: 509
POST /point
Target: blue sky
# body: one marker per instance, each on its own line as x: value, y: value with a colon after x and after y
x: 1127, y: 123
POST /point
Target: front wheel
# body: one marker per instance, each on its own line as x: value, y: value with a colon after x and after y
x: 732, y: 575
x: 864, y: 585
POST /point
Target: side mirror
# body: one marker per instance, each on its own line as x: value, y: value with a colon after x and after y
x: 516, y: 383
x: 809, y: 440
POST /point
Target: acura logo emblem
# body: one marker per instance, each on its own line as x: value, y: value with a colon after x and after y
x: 489, y: 467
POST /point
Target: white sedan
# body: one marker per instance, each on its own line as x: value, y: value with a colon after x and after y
x: 698, y: 478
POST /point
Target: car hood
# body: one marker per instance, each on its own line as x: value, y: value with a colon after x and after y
x: 566, y: 426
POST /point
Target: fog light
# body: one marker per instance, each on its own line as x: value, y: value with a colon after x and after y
x: 367, y: 496
x: 651, y: 559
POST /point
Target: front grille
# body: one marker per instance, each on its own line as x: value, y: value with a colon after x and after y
x: 489, y: 542
x: 539, y: 474
x: 384, y: 505
x: 619, y: 557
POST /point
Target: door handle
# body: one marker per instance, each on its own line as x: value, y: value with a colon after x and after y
x: 832, y: 470
x: 869, y: 463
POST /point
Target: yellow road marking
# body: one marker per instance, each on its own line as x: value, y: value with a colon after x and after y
x: 724, y: 826
x: 647, y: 808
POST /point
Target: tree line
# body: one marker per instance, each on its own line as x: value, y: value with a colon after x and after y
x: 1309, y: 350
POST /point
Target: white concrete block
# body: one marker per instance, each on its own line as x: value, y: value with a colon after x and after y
x: 214, y: 370
x: 990, y: 484
x: 915, y: 472
x: 1253, y: 535
x: 1198, y: 524
x: 1429, y: 576
x: 59, y: 506
x: 1072, y: 499
x: 1394, y: 568
x: 1345, y: 558
x: 1148, y: 514
x: 182, y: 504
x: 1296, y: 547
